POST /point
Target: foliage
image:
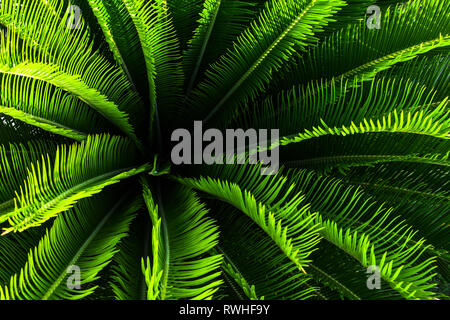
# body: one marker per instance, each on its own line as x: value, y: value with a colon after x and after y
x: 86, y: 115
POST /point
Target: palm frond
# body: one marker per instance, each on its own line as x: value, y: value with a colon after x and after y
x: 15, y: 132
x: 221, y: 21
x: 38, y: 103
x: 179, y: 269
x: 431, y: 71
x: 128, y: 280
x: 162, y: 55
x: 15, y: 158
x: 186, y: 14
x: 85, y: 238
x: 91, y: 91
x: 260, y: 51
x: 55, y: 185
x: 123, y: 40
x: 259, y: 270
x: 272, y: 204
x: 343, y: 163
x: 359, y: 51
x: 31, y: 49
x: 360, y: 123
x: 417, y: 192
x: 369, y: 233
x: 14, y: 252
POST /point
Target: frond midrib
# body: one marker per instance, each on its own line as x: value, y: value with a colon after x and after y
x: 74, y: 133
x: 203, y: 48
x: 165, y: 231
x: 65, y: 194
x: 259, y: 61
x: 400, y: 189
x: 337, y: 283
x: 83, y: 247
x: 331, y: 160
x: 390, y: 56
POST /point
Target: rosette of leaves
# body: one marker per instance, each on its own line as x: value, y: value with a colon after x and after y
x: 91, y: 90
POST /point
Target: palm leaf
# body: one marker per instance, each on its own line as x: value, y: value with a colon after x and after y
x: 259, y: 51
x: 272, y: 205
x: 86, y: 238
x: 221, y: 22
x: 55, y: 186
x: 161, y: 51
x: 38, y: 103
x: 359, y: 51
x: 128, y: 280
x: 30, y: 49
x: 259, y: 270
x: 15, y: 158
x: 178, y: 270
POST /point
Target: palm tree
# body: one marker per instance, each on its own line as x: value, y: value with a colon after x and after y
x: 91, y: 91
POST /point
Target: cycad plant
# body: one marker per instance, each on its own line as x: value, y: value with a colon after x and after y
x: 92, y: 207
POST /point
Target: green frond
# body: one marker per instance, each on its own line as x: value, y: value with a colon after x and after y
x: 355, y: 12
x: 346, y: 214
x: 73, y: 85
x: 186, y: 14
x: 92, y: 91
x: 128, y: 280
x: 38, y: 103
x: 411, y: 281
x: 179, y: 269
x: 86, y: 238
x: 280, y: 29
x: 54, y: 185
x: 14, y: 161
x: 233, y: 272
x: 220, y: 23
x: 419, y: 194
x: 42, y: 26
x: 123, y: 40
x: 401, y: 122
x: 369, y: 233
x: 259, y: 270
x: 44, y: 124
x: 416, y: 191
x: 30, y: 48
x: 332, y: 107
x: 343, y: 163
x: 368, y: 70
x: 100, y: 10
x: 433, y: 72
x: 14, y: 252
x: 352, y: 123
x: 344, y: 278
x: 16, y: 132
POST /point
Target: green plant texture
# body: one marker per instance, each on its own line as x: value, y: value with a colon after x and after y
x: 89, y: 99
